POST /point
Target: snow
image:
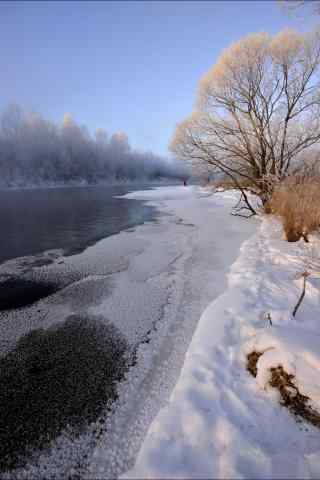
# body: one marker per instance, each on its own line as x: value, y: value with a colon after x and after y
x: 220, y: 421
x: 177, y: 292
x: 201, y: 242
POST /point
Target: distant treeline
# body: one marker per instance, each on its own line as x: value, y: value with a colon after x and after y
x: 36, y: 151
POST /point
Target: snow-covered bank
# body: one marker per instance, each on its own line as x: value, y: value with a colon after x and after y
x: 221, y: 422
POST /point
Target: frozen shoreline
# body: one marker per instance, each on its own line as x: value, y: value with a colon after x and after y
x: 152, y: 282
x: 192, y: 293
x: 199, y: 227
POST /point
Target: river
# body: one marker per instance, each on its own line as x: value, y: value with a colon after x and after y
x: 67, y: 218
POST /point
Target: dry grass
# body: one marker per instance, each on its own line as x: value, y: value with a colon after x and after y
x: 291, y: 398
x: 252, y: 360
x: 228, y: 184
x: 223, y: 184
x: 297, y: 201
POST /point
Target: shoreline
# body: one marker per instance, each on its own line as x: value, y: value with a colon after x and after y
x: 119, y: 183
x: 172, y: 268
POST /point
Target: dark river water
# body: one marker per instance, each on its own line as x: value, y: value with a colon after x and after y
x: 32, y: 221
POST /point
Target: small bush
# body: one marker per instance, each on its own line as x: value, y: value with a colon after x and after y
x: 252, y: 360
x: 290, y: 396
x: 297, y: 201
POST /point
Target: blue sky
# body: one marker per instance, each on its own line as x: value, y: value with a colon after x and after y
x: 131, y: 66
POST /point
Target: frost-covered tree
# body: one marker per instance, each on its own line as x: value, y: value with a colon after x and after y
x: 35, y: 150
x: 258, y: 109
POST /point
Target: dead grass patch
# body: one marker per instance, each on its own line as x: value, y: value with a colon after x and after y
x: 252, y: 360
x: 291, y: 398
x: 228, y: 184
x: 297, y: 201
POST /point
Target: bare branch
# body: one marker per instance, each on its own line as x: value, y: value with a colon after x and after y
x: 304, y: 275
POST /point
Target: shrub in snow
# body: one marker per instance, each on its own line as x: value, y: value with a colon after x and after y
x: 297, y: 201
x: 287, y: 359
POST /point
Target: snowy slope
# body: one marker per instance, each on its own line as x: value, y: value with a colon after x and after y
x: 221, y: 422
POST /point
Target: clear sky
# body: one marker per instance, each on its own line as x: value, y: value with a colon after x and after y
x: 130, y: 66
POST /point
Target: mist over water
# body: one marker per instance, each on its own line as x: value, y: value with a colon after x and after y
x: 34, y: 150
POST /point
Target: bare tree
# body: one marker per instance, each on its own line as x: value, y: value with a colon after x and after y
x: 258, y: 109
x: 293, y: 6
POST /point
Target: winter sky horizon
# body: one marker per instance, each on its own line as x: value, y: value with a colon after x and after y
x: 131, y: 66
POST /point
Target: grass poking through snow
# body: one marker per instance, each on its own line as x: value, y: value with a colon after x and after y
x: 252, y: 360
x: 291, y: 398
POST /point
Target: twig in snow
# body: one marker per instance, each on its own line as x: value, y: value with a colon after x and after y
x: 266, y: 316
x: 238, y: 208
x: 304, y: 275
x: 269, y: 318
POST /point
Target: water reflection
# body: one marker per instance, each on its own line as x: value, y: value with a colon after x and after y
x: 32, y: 221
